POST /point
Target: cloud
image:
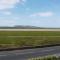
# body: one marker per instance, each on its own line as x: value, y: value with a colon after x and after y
x: 43, y: 14
x: 23, y: 0
x: 7, y: 13
x: 5, y: 4
x: 7, y: 22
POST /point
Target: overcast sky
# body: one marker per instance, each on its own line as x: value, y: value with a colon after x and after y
x: 43, y: 13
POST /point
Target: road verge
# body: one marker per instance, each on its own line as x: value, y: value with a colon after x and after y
x: 28, y: 47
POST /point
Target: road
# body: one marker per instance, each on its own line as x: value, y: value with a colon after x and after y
x: 29, y: 29
x: 29, y: 53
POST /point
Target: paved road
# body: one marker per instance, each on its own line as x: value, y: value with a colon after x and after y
x: 29, y: 29
x: 30, y: 53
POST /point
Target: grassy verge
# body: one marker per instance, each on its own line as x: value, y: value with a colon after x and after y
x: 46, y: 58
x: 28, y: 41
x: 10, y: 39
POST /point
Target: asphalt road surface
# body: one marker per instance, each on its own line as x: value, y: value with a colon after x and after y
x: 29, y: 53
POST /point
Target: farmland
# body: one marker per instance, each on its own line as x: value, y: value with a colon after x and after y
x: 10, y: 39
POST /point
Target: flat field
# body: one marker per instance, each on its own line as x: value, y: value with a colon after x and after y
x: 28, y: 38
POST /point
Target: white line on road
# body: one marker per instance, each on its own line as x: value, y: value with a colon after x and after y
x: 2, y: 55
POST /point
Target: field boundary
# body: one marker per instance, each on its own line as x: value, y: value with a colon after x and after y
x: 31, y: 36
x: 29, y: 47
x: 28, y: 36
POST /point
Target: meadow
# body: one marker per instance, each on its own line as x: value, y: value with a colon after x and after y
x: 10, y: 39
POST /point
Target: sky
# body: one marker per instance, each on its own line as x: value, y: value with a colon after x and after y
x: 41, y: 13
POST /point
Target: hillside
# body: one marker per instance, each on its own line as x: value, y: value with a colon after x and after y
x: 20, y: 27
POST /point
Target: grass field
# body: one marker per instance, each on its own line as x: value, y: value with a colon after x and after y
x: 29, y: 33
x: 28, y: 38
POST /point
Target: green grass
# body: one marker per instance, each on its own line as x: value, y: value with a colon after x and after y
x: 29, y: 33
x: 44, y: 39
x: 46, y: 58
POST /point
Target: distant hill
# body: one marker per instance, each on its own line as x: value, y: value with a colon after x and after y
x: 20, y: 27
x: 25, y: 27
